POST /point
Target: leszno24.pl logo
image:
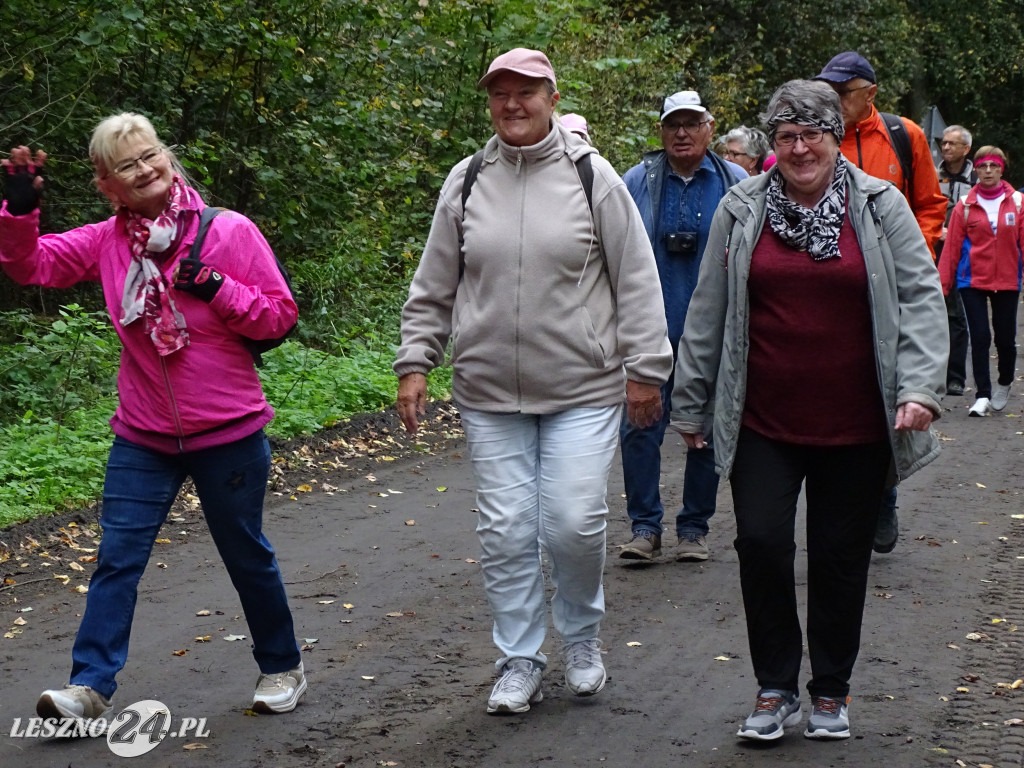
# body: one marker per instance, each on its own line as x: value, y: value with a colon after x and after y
x: 133, y: 731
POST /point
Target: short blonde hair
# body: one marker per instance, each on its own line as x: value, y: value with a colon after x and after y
x: 111, y: 132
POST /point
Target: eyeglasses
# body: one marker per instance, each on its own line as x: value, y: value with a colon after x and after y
x: 690, y: 126
x: 810, y: 136
x: 731, y: 154
x: 847, y: 91
x: 948, y: 143
x: 987, y: 166
x: 128, y: 168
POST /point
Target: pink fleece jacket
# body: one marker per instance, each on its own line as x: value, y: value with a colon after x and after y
x: 206, y: 394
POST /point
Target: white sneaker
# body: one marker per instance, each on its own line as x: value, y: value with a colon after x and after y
x: 516, y: 689
x: 279, y: 692
x: 74, y: 701
x: 982, y: 407
x: 1000, y: 394
x: 584, y: 670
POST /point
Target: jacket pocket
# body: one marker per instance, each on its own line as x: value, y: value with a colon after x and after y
x: 596, y: 351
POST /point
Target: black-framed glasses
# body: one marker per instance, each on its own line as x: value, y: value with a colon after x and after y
x: 690, y: 126
x: 847, y: 91
x: 810, y: 136
x: 128, y: 168
x: 951, y: 143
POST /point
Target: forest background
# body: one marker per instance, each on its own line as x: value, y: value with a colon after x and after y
x: 333, y: 123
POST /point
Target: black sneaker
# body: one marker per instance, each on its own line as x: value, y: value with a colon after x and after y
x: 887, y: 531
x: 955, y: 389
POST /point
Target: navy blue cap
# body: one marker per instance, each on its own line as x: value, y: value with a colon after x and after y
x: 846, y: 66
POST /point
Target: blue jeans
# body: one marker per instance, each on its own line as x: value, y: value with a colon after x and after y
x: 138, y: 491
x: 641, y: 469
x: 542, y: 481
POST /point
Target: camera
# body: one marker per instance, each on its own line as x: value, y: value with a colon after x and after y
x: 684, y: 243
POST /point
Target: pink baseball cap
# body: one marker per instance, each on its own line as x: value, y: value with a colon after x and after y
x: 522, y: 61
x: 575, y: 123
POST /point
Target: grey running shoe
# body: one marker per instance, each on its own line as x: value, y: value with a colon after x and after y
x: 584, y: 671
x: 829, y: 718
x: 773, y: 712
x: 643, y: 546
x: 692, y: 548
x: 516, y: 689
x: 75, y: 702
x: 279, y: 692
x: 1000, y: 394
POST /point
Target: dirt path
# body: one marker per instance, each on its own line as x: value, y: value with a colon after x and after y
x: 380, y: 562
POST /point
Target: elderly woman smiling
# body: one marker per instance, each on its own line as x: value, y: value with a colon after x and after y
x: 816, y: 341
x: 190, y: 402
x: 554, y: 324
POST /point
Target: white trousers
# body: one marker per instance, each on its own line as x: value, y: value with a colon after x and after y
x: 542, y: 481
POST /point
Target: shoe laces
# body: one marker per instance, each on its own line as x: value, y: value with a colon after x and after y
x: 644, y: 534
x: 768, y: 703
x: 826, y: 705
x: 277, y: 680
x: 583, y: 654
x: 515, y: 678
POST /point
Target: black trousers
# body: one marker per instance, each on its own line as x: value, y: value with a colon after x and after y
x: 956, y: 369
x: 1004, y: 327
x: 844, y: 490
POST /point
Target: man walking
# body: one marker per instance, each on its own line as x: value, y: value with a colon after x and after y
x: 677, y: 189
x: 956, y: 177
x: 895, y: 149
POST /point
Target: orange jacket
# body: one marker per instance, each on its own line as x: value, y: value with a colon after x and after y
x: 867, y: 146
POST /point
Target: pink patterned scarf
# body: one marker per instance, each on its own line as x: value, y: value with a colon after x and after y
x: 146, y: 291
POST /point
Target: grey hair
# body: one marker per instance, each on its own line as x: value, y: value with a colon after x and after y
x: 108, y: 136
x: 964, y: 133
x: 804, y: 102
x: 753, y: 142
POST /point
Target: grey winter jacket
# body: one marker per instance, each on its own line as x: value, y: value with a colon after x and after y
x: 555, y: 307
x: 907, y: 308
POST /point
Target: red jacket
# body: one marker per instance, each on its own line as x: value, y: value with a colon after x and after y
x: 979, y: 258
x: 867, y: 146
x: 207, y: 393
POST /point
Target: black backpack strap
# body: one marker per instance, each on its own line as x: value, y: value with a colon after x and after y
x: 901, y: 145
x: 472, y: 172
x: 586, y: 171
x: 208, y: 214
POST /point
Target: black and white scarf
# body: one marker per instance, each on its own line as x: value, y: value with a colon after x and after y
x: 815, y: 230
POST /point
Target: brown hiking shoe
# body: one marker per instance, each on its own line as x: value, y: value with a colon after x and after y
x: 643, y: 546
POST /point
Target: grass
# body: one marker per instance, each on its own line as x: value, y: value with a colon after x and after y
x: 56, y: 401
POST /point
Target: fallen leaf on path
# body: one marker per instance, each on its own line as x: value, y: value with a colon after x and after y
x: 203, y: 612
x: 954, y: 647
x: 410, y: 522
x: 305, y: 488
x: 634, y: 644
x: 80, y: 589
x: 311, y: 640
x: 349, y: 606
x: 181, y: 652
x: 980, y: 485
x: 75, y: 566
x: 1013, y: 721
x: 391, y: 490
x: 394, y: 614
x: 367, y: 677
x: 233, y: 638
x: 203, y: 639
x: 442, y: 488
x: 62, y: 577
x: 963, y: 689
x: 471, y: 560
x: 163, y: 541
x: 722, y: 658
x: 324, y: 602
x: 195, y: 745
x: 998, y: 621
x: 977, y: 636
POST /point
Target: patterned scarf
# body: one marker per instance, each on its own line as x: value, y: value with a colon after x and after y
x: 814, y: 230
x: 146, y: 293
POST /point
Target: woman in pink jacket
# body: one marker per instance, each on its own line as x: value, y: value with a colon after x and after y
x: 986, y: 242
x: 190, y: 402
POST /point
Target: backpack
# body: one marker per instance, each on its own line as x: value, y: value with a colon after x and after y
x: 256, y: 347
x: 901, y: 144
x: 583, y: 167
x: 1018, y: 200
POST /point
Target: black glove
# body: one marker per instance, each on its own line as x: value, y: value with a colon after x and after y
x: 21, y: 193
x: 197, y: 278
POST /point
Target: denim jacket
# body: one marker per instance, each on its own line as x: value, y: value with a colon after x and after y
x: 690, y: 208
